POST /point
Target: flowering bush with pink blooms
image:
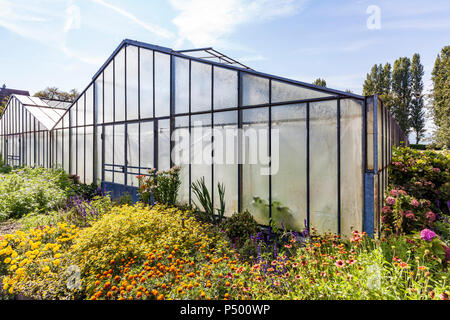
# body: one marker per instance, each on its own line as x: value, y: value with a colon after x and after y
x: 419, y: 195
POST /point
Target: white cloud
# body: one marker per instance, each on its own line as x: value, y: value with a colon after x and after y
x: 208, y: 22
x: 147, y: 26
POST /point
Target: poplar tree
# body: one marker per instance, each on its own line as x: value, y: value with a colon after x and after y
x: 401, y: 91
x: 417, y: 100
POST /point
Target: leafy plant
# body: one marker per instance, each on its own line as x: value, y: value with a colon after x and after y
x: 201, y: 191
x: 160, y: 186
x: 240, y: 227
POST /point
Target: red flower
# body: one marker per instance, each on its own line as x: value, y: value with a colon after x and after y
x: 340, y: 263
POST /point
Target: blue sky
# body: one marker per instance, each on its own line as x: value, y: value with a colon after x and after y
x: 64, y: 42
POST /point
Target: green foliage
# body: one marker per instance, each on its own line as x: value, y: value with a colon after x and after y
x: 163, y: 186
x: 282, y: 216
x: 203, y: 196
x: 320, y: 82
x: 239, y: 227
x: 28, y: 190
x: 56, y: 94
x: 441, y: 97
x: 401, y: 90
x: 417, y: 102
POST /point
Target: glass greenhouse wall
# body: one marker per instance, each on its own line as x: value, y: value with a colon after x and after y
x: 321, y: 156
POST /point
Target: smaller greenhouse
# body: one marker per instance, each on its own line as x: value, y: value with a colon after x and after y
x: 25, y: 128
x: 299, y: 154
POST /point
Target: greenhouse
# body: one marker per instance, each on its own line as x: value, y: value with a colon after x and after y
x: 287, y: 151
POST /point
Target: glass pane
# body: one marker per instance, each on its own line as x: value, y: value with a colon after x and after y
x: 163, y: 145
x: 201, y: 149
x: 181, y: 85
x: 119, y: 86
x: 181, y: 156
x: 255, y: 152
x: 67, y: 152
x: 225, y: 88
x: 119, y: 157
x: 99, y: 99
x: 288, y: 171
x: 89, y: 175
x: 80, y: 111
x: 109, y: 155
x: 109, y: 94
x: 200, y: 86
x: 90, y: 105
x: 162, y: 84
x: 351, y: 166
x: 98, y: 152
x: 323, y: 166
x: 283, y: 91
x: 255, y: 90
x: 147, y: 146
x: 132, y: 82
x: 80, y: 154
x: 73, y: 151
x: 226, y: 159
x: 146, y: 83
x: 133, y: 153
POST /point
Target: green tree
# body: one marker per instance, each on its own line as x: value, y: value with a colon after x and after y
x: 417, y: 100
x: 56, y: 94
x: 401, y: 91
x: 320, y: 82
x: 372, y: 83
x: 441, y: 97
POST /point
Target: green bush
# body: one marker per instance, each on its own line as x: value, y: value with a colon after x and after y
x: 240, y: 227
x: 162, y: 186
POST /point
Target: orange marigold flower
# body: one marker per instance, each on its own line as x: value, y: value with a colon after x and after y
x: 160, y: 297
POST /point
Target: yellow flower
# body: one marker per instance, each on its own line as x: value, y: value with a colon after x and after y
x: 46, y: 269
x: 13, y: 267
x: 7, y: 260
x: 56, y: 262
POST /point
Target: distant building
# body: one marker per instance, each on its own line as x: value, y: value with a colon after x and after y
x: 5, y: 92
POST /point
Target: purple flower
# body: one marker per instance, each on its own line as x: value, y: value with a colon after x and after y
x: 427, y: 234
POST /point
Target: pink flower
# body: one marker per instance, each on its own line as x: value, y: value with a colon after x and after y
x: 415, y: 203
x: 410, y: 215
x: 427, y: 234
x: 436, y: 170
x: 390, y: 200
x: 430, y: 216
x: 387, y: 209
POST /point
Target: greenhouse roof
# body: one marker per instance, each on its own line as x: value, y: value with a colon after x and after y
x: 212, y: 55
x: 46, y: 111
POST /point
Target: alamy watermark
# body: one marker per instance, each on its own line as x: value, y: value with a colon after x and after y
x: 374, y: 20
x: 227, y: 146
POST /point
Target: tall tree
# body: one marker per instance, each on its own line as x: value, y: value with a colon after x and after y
x: 441, y: 97
x: 372, y: 83
x: 401, y: 90
x: 417, y: 100
x: 55, y: 93
x: 320, y: 82
x: 378, y: 81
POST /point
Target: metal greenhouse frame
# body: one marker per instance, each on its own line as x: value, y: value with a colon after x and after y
x: 334, y: 147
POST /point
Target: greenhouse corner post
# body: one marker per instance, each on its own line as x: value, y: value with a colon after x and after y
x: 370, y: 174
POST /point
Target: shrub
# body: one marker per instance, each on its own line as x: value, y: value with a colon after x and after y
x: 28, y: 190
x: 240, y: 227
x: 201, y: 191
x: 34, y: 264
x: 161, y: 185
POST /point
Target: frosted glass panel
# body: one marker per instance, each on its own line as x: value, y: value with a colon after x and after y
x: 351, y: 166
x: 289, y: 166
x: 226, y: 159
x: 58, y: 149
x: 283, y: 91
x: 90, y: 105
x: 225, y: 88
x: 181, y: 156
x: 146, y: 82
x: 200, y: 86
x: 162, y: 84
x: 147, y: 145
x: 109, y: 94
x: 80, y: 111
x: 98, y: 153
x: 181, y: 85
x: 67, y: 152
x: 119, y: 86
x: 133, y: 153
x: 201, y: 149
x: 255, y: 149
x: 255, y: 90
x: 73, y: 151
x: 109, y: 154
x: 323, y: 166
x: 89, y: 170
x: 119, y: 157
x: 99, y: 99
x: 80, y: 153
x: 163, y: 145
x: 132, y: 82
